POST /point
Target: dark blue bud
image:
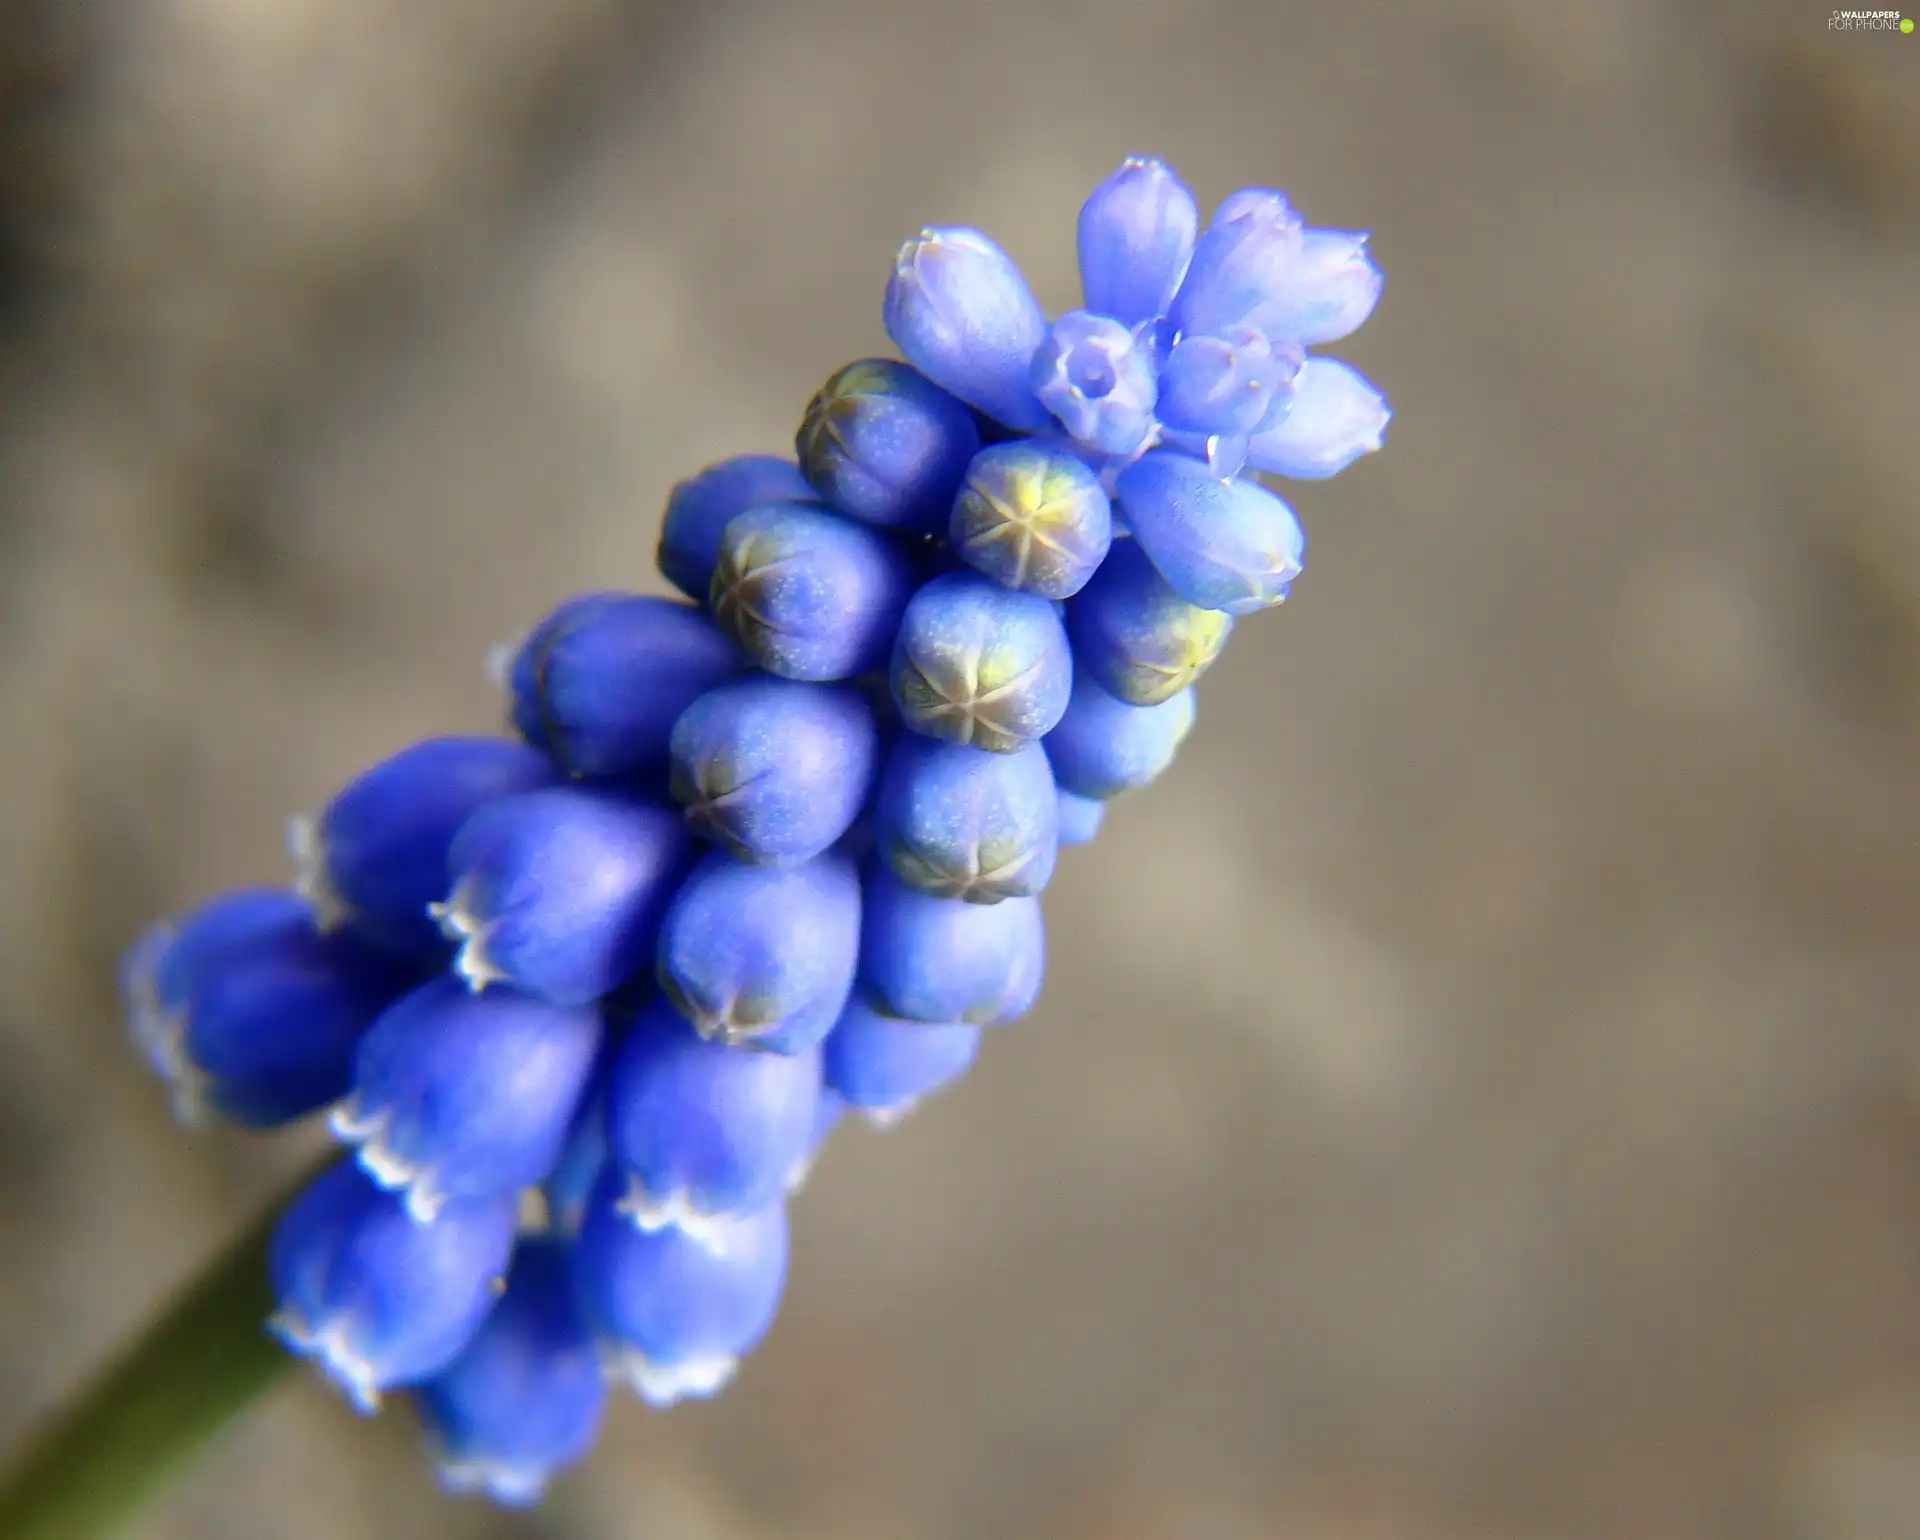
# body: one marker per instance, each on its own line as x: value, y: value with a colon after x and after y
x: 600, y: 682
x: 376, y: 855
x: 1137, y: 638
x: 1103, y: 746
x: 246, y: 1010
x: 763, y: 955
x: 1241, y: 264
x: 885, y: 1065
x: 883, y: 444
x: 525, y: 1397
x: 702, y: 506
x: 774, y: 769
x: 674, y: 1312
x: 960, y: 311
x: 1330, y: 292
x: 374, y: 1298
x: 1225, y: 383
x: 561, y: 892
x: 808, y: 594
x: 1335, y: 417
x: 943, y: 960
x: 1136, y: 235
x: 1080, y: 818
x: 958, y: 822
x: 1223, y: 545
x: 1032, y: 517
x: 705, y: 1132
x: 1097, y: 377
x: 981, y: 664
x: 459, y: 1096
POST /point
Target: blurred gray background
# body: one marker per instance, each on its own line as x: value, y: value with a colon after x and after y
x: 1474, y: 1094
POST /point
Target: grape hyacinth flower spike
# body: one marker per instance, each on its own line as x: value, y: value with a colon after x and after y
x: 585, y: 999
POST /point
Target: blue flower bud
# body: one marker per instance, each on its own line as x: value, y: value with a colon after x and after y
x: 977, y: 663
x: 1225, y: 384
x: 808, y: 594
x: 1241, y: 263
x: 763, y: 955
x: 1336, y: 417
x: 1032, y: 517
x: 1223, y: 545
x: 701, y: 507
x: 960, y: 311
x: 525, y: 1397
x: 885, y: 445
x: 1097, y: 377
x: 561, y: 892
x: 1137, y: 638
x: 943, y: 960
x: 885, y: 1065
x: 600, y: 683
x: 704, y: 1132
x: 458, y: 1095
x: 1136, y: 235
x: 674, y: 1312
x: 1103, y: 746
x: 245, y: 1009
x: 773, y: 769
x: 1080, y: 818
x: 374, y: 1298
x: 376, y: 855
x: 1330, y: 292
x: 957, y: 822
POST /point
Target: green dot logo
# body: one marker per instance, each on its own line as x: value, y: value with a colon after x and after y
x: 1906, y: 23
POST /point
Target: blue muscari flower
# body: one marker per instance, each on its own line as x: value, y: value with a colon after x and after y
x: 886, y: 1065
x: 1103, y: 746
x: 958, y: 822
x: 460, y: 1096
x: 1080, y: 818
x: 702, y: 506
x: 702, y: 1132
x: 601, y: 681
x: 977, y: 663
x: 248, y: 1011
x: 1223, y: 545
x: 1032, y: 516
x: 1329, y: 292
x: 1335, y: 417
x: 883, y: 444
x: 1240, y: 262
x: 1226, y: 383
x: 1138, y: 639
x: 675, y: 1312
x: 763, y: 955
x: 807, y: 594
x: 524, y: 1399
x: 774, y: 769
x: 561, y: 892
x: 1136, y: 236
x: 1098, y: 378
x: 959, y: 309
x: 828, y: 1113
x: 566, y: 1188
x: 375, y: 1298
x: 376, y: 855
x: 945, y: 960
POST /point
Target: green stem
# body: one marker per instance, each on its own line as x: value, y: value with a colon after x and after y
x: 197, y: 1367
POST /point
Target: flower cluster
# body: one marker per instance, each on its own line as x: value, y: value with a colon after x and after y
x: 585, y: 1001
